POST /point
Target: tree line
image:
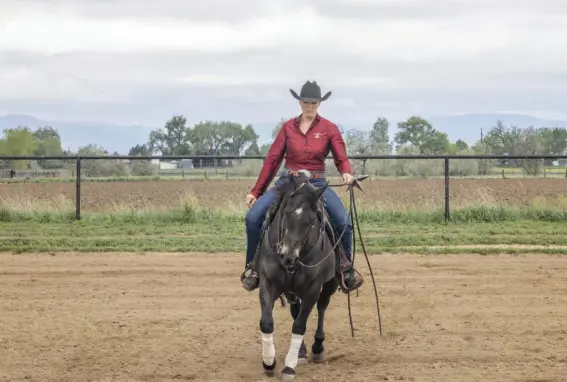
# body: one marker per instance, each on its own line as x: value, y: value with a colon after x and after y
x: 415, y: 135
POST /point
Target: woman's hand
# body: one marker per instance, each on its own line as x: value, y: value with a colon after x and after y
x: 250, y: 200
x: 348, y: 178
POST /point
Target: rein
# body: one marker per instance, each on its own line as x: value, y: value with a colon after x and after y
x: 354, y: 217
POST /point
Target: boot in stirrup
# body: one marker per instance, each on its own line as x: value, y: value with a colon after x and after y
x: 250, y: 281
x: 349, y: 278
x: 352, y: 280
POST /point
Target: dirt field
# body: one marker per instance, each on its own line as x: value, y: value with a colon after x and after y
x: 385, y: 193
x: 151, y: 317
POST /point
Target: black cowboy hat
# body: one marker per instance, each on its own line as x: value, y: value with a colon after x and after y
x: 310, y: 92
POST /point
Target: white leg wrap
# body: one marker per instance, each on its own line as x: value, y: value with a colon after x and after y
x: 293, y: 353
x: 268, y: 349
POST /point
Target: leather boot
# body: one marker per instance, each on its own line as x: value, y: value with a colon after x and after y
x: 352, y: 278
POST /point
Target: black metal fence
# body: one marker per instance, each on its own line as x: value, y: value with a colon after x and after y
x: 446, y: 158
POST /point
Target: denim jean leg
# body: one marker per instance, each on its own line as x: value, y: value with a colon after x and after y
x: 255, y: 219
x: 339, y: 218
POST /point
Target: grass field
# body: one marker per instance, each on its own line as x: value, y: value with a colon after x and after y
x: 146, y: 286
x: 396, y: 215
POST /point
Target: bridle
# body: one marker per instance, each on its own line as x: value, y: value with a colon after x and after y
x: 322, y: 222
x: 301, y: 263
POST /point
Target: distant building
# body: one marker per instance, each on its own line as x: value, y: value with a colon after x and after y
x: 186, y: 163
x: 172, y: 165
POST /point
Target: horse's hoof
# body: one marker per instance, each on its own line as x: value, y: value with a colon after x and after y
x: 288, y: 374
x: 270, y: 371
x: 318, y: 358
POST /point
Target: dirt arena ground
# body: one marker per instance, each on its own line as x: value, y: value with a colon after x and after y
x: 158, y: 317
x: 387, y: 193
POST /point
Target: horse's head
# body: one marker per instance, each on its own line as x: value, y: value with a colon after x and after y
x: 299, y: 215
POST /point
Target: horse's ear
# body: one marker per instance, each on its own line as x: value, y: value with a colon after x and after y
x: 320, y: 190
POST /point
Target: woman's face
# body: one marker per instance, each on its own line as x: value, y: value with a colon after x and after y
x: 309, y: 109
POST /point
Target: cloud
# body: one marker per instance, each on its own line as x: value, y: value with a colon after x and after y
x: 405, y: 38
x: 153, y: 59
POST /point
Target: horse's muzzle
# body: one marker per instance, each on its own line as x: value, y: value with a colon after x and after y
x: 290, y: 261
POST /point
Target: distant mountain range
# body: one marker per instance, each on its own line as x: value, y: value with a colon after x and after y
x: 120, y: 138
x: 111, y: 136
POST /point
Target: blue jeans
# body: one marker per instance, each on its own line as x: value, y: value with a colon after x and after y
x: 257, y: 213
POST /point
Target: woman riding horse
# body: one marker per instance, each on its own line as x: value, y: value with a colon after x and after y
x: 305, y: 142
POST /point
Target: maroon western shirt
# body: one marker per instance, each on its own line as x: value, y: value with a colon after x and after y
x: 303, y: 151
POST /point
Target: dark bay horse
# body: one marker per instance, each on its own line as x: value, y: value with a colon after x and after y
x: 296, y: 258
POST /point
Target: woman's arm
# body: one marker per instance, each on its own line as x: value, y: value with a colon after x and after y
x: 272, y: 163
x: 338, y: 149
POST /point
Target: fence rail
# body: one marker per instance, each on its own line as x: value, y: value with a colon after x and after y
x: 447, y: 158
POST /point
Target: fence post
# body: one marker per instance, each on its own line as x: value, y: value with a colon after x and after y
x: 78, y: 190
x: 447, y: 212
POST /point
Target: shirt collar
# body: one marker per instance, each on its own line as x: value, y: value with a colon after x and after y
x: 298, y: 118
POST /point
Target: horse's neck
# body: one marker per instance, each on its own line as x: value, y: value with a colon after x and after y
x: 274, y: 227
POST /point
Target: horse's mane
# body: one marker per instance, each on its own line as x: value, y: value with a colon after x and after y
x: 284, y: 190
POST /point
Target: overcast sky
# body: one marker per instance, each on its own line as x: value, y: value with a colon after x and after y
x: 134, y: 61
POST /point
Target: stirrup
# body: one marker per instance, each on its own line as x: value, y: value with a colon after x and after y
x: 342, y: 283
x: 249, y: 268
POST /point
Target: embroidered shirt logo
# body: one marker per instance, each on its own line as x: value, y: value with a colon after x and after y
x: 316, y: 135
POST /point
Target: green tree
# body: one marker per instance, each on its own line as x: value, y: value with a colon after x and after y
x: 48, y: 143
x: 208, y: 138
x: 458, y: 147
x: 46, y: 132
x: 503, y: 140
x: 461, y: 145
x: 221, y: 138
x: 553, y: 140
x: 380, y: 137
x: 253, y: 149
x: 236, y: 137
x: 173, y: 139
x: 358, y: 143
x: 141, y: 167
x: 141, y: 150
x: 98, y: 167
x: 516, y: 141
x: 419, y: 133
x: 531, y: 143
x: 18, y: 142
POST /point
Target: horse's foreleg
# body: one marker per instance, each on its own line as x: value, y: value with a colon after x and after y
x: 267, y: 298
x: 297, y: 333
x: 317, y: 348
x: 294, y: 310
